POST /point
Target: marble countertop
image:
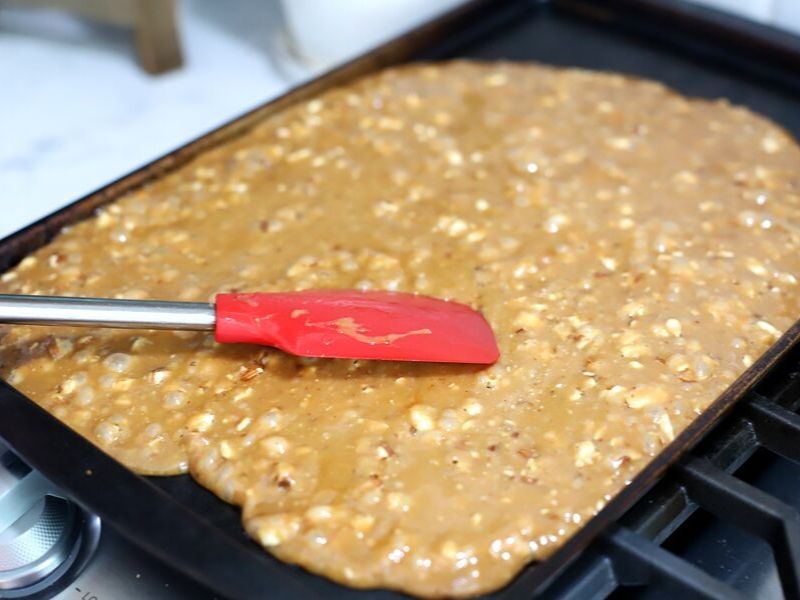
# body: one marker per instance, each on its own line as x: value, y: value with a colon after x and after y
x: 76, y: 111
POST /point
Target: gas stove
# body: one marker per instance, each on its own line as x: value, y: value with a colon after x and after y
x: 51, y: 548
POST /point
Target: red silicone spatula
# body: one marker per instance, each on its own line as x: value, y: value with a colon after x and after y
x: 324, y: 323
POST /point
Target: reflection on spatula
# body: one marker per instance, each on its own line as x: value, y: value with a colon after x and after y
x: 323, y: 323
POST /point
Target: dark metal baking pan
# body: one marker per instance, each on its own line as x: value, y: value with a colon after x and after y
x: 697, y: 51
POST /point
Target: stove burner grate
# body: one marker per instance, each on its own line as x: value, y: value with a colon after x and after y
x: 722, y: 524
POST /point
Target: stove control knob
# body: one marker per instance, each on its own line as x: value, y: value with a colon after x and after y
x: 38, y: 529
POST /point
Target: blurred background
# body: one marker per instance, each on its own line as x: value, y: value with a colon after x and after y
x: 92, y: 89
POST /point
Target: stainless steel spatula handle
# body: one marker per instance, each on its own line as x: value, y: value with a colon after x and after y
x: 127, y: 314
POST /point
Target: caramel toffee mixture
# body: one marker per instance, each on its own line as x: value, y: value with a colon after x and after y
x: 633, y: 250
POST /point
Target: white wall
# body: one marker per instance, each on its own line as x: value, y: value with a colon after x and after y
x: 780, y: 13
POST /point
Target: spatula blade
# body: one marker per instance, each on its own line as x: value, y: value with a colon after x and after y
x: 377, y: 325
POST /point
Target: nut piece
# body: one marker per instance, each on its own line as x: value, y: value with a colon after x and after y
x: 527, y: 320
x: 200, y: 422
x: 635, y: 351
x: 108, y: 431
x: 59, y: 347
x: 275, y: 446
x: 585, y: 453
x: 272, y: 420
x: 118, y: 362
x: 285, y: 475
x: 665, y: 425
x: 174, y: 399
x: 158, y: 376
x: 769, y: 329
x: 250, y: 372
x: 273, y: 530
x: 646, y: 395
x: 362, y: 523
x: 227, y: 450
x: 422, y: 417
x: 320, y: 513
x: 473, y: 407
x: 398, y: 501
x: 677, y: 363
x: 673, y: 326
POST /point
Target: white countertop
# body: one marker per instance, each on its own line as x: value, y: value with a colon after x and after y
x: 76, y: 111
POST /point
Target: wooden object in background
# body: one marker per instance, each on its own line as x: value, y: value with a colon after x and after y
x: 154, y: 24
x: 157, y: 35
